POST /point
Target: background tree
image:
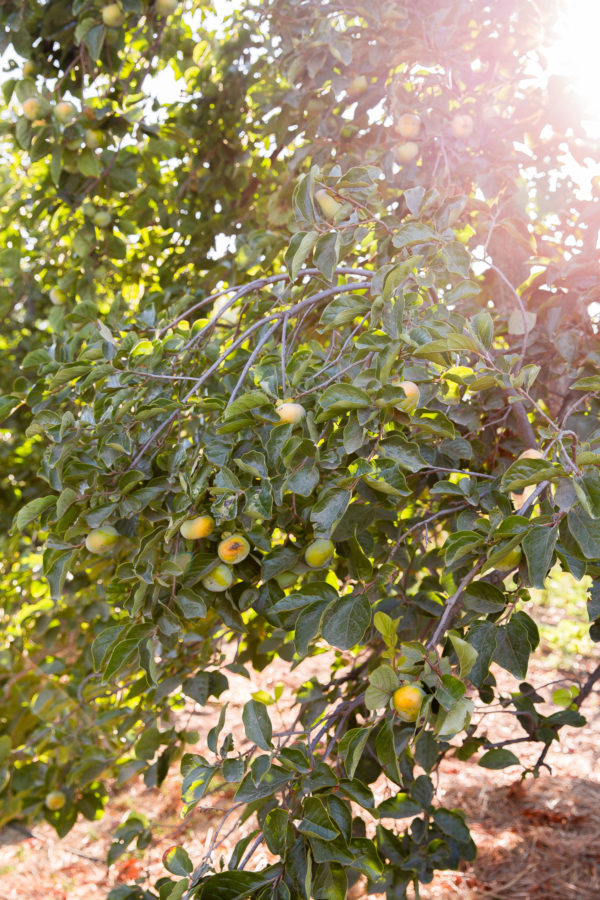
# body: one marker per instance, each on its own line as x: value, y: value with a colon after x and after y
x: 361, y: 212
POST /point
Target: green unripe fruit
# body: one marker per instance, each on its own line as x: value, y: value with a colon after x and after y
x: 55, y: 800
x: 412, y: 396
x: 408, y: 126
x: 329, y: 205
x: 462, y: 126
x: 319, y: 553
x: 358, y: 86
x: 88, y: 209
x: 94, y: 138
x: 234, y: 549
x: 165, y: 7
x: 113, y: 16
x: 407, y: 701
x: 57, y: 296
x: 64, y: 111
x: 31, y: 108
x: 509, y: 561
x: 290, y: 413
x: 219, y: 579
x: 286, y: 579
x: 102, y: 218
x: 199, y: 527
x: 405, y: 153
x: 29, y: 69
x: 102, y: 540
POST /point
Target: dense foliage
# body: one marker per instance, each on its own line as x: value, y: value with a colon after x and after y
x: 327, y: 204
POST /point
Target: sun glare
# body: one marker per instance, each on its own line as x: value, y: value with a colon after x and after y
x: 575, y: 55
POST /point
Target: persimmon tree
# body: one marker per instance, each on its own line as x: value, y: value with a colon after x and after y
x: 287, y: 296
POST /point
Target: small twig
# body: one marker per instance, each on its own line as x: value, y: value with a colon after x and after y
x: 260, y: 344
x: 255, y: 844
x: 452, y: 605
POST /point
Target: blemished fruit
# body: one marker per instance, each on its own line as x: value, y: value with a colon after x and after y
x: 55, y: 800
x: 290, y: 413
x: 408, y: 126
x: 519, y: 499
x: 57, y: 296
x: 358, y: 85
x: 509, y: 561
x: 405, y: 153
x: 319, y: 553
x: 64, y: 111
x: 94, y: 138
x: 219, y: 579
x: 412, y: 396
x: 31, y: 108
x: 329, y: 205
x: 233, y: 549
x: 165, y: 7
x: 112, y: 15
x: 29, y: 69
x: 102, y: 540
x: 407, y: 701
x: 462, y: 126
x: 102, y: 218
x: 199, y: 527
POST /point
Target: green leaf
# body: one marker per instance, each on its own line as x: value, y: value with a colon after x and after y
x: 350, y: 748
x: 345, y: 621
x: 235, y: 885
x: 197, y: 776
x: 451, y: 722
x: 398, y: 807
x: 33, y: 510
x: 308, y: 626
x: 587, y: 488
x: 467, y: 654
x: 586, y: 532
x: 539, y: 546
x: 316, y: 821
x: 482, y: 637
x: 300, y: 246
x: 528, y: 471
x: 328, y: 510
x: 326, y: 253
x: 383, y: 681
x: 177, y: 861
x: 278, y: 831
x: 257, y: 724
x: 513, y: 648
x: 342, y: 397
x: 499, y: 758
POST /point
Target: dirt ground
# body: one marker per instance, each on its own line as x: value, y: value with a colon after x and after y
x: 537, y: 840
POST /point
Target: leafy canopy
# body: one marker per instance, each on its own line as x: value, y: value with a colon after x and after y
x: 239, y: 212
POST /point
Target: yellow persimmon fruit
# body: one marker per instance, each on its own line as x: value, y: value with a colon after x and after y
x: 290, y: 413
x: 219, y: 579
x: 509, y: 561
x: 199, y: 527
x: 233, y: 549
x: 405, y: 153
x: 319, y: 553
x: 413, y: 395
x: 462, y: 126
x: 329, y: 205
x: 408, y: 126
x: 55, y: 800
x: 407, y: 702
x: 102, y: 540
